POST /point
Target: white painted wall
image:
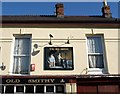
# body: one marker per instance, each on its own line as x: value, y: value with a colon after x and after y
x: 77, y: 36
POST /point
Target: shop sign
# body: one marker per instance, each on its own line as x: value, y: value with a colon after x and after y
x: 32, y: 81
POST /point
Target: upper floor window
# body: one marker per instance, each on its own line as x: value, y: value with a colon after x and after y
x: 58, y: 58
x: 21, y: 54
x: 95, y: 51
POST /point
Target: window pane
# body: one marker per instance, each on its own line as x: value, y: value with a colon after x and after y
x: 40, y: 89
x: 21, y: 59
x: 49, y: 88
x: 22, y: 46
x: 19, y: 88
x: 21, y: 65
x: 95, y: 61
x: 9, y: 89
x: 95, y: 51
x: 58, y: 58
x: 94, y: 44
x: 29, y: 89
x: 59, y: 89
x: 1, y: 88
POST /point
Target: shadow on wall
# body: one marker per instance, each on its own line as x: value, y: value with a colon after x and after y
x: 106, y: 70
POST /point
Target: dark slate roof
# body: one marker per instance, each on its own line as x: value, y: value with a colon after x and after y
x: 52, y: 18
x: 55, y: 22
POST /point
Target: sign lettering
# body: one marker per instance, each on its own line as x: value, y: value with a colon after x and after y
x: 32, y: 81
x: 41, y: 80
x: 12, y: 81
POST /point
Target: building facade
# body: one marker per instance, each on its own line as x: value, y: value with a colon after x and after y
x: 60, y: 54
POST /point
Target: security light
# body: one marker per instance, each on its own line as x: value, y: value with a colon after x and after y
x: 68, y: 41
x: 51, y: 36
x: 2, y: 67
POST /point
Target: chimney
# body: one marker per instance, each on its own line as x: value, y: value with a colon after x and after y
x: 59, y: 10
x: 106, y: 10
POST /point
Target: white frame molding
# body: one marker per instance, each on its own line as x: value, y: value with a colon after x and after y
x: 97, y: 70
x: 12, y: 52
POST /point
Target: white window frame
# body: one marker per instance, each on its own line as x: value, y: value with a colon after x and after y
x: 12, y: 52
x: 96, y: 70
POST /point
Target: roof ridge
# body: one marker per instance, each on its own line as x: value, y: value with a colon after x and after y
x: 28, y: 15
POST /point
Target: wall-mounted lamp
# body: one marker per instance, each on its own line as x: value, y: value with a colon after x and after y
x: 36, y: 46
x: 51, y: 36
x: 68, y: 41
x: 35, y: 49
x: 2, y: 67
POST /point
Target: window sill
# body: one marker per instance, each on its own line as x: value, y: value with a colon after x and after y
x: 18, y: 74
x: 96, y: 71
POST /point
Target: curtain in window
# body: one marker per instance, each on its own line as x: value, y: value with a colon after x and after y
x: 22, y: 46
x: 21, y: 55
x: 95, y: 52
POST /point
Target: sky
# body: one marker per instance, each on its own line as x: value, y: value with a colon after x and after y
x: 58, y: 0
x: 48, y: 8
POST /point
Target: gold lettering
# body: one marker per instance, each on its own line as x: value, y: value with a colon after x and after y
x: 8, y: 81
x: 33, y: 81
x: 12, y: 81
x: 46, y: 80
x: 52, y: 80
x: 41, y: 80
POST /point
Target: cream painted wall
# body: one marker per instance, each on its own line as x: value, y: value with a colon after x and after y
x: 77, y: 37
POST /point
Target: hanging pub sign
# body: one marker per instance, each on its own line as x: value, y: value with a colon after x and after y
x: 58, y: 58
